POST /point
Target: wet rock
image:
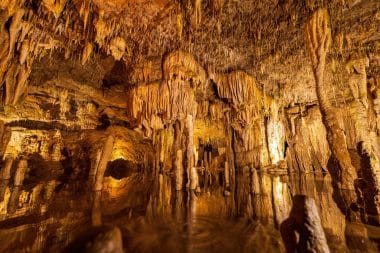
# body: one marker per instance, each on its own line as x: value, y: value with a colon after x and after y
x: 302, y: 231
x: 104, y: 239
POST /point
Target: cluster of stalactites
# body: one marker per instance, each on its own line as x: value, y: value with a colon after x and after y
x: 94, y: 31
x: 255, y: 119
x: 155, y: 104
x: 18, y: 50
x: 28, y: 33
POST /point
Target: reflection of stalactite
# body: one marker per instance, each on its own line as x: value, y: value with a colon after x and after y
x: 102, y: 165
x: 179, y: 212
x: 14, y: 199
x: 190, y: 172
x: 17, y: 182
x: 3, y: 188
x: 96, y: 212
x: 178, y: 156
x: 318, y: 38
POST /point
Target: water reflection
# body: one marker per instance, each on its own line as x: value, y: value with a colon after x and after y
x: 154, y: 217
x: 203, y: 234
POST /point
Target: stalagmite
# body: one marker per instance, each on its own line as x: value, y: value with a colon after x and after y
x: 318, y: 38
x: 304, y: 219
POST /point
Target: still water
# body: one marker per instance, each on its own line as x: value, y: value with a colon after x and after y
x: 153, y: 217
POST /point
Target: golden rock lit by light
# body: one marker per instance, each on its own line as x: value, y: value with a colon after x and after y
x: 189, y: 126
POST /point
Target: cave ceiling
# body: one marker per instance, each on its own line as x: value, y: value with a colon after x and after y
x: 223, y: 35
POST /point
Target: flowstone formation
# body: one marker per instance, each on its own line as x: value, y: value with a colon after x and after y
x: 189, y: 126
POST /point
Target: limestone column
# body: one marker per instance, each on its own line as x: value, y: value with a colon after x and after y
x: 318, y: 40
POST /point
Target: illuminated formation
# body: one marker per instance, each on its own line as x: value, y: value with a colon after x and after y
x: 189, y: 126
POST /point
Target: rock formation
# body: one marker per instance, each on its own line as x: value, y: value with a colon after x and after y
x: 161, y: 117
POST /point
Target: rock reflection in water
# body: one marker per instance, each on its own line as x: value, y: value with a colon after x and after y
x: 202, y: 234
x: 153, y: 217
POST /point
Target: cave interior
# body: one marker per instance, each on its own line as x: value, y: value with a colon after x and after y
x: 190, y: 126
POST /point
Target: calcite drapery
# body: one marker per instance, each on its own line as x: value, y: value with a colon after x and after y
x: 255, y: 119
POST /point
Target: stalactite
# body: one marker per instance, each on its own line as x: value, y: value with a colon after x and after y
x: 198, y: 12
x: 6, y: 169
x: 84, y: 12
x: 192, y: 174
x: 117, y: 47
x: 55, y: 6
x: 318, y: 38
x: 24, y: 51
x: 179, y: 25
x: 87, y: 51
x: 21, y: 83
x: 102, y: 30
x: 14, y: 30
